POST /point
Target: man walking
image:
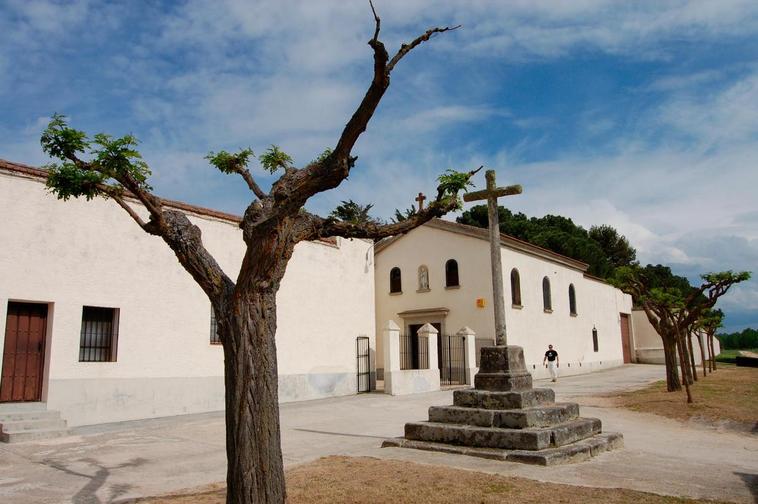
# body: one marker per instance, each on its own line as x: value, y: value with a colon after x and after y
x: 551, y: 356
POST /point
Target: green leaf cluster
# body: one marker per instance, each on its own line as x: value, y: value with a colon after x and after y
x: 274, y: 158
x: 451, y: 183
x: 111, y: 161
x: 229, y: 163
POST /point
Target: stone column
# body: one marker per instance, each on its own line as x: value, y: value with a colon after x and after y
x: 430, y: 333
x: 470, y: 343
x: 391, y: 351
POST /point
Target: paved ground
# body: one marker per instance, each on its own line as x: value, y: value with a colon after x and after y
x: 114, y: 462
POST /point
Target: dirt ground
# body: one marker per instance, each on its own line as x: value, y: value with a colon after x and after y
x: 729, y: 395
x: 338, y: 480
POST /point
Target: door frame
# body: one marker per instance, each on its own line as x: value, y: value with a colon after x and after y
x: 627, y: 350
x: 43, y: 364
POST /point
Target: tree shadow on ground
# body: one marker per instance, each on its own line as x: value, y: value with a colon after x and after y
x: 87, y: 494
x: 751, y: 481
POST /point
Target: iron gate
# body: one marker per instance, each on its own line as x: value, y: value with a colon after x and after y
x: 451, y: 357
x: 363, y: 366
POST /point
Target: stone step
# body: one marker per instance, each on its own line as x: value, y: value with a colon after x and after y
x: 577, y: 452
x: 15, y: 407
x: 481, y: 437
x: 32, y: 435
x: 484, y: 399
x: 538, y: 416
x: 511, y: 439
x: 25, y: 425
x: 29, y: 415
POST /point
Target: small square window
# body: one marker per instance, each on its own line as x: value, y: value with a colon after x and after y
x: 99, y: 335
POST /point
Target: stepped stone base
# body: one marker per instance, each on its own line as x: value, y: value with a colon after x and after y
x: 577, y: 452
x: 21, y: 422
x: 504, y: 418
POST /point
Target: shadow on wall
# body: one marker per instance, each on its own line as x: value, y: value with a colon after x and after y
x: 751, y: 480
x: 87, y: 494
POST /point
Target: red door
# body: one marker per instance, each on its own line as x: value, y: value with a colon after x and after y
x: 626, y: 342
x: 24, y: 352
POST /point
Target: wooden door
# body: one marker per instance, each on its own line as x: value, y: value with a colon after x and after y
x: 24, y: 352
x: 626, y: 342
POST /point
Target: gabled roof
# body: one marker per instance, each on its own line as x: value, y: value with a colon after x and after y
x: 506, y: 241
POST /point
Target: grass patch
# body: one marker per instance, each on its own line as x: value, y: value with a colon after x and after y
x: 730, y: 394
x: 341, y: 480
x: 731, y: 355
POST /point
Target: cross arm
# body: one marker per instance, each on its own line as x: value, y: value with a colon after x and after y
x: 496, y: 193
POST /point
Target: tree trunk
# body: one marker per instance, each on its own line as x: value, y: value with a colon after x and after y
x: 683, y: 361
x: 713, y: 351
x: 702, y: 351
x: 687, y: 370
x: 672, y: 376
x: 255, y: 472
x: 692, y: 355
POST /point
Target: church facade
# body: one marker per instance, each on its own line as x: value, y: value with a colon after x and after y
x: 440, y: 274
x: 103, y: 324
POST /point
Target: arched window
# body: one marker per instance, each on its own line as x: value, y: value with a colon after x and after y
x: 451, y: 273
x: 594, y: 339
x: 515, y: 288
x: 546, y: 301
x: 572, y: 300
x: 396, y: 284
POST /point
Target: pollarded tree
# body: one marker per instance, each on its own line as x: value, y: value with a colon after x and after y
x: 673, y: 307
x: 273, y: 223
x: 709, y: 323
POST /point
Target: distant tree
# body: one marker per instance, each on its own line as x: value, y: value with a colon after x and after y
x: 354, y: 213
x: 273, y: 223
x: 616, y: 247
x: 747, y: 338
x: 673, y: 307
x: 561, y: 235
x: 402, y: 215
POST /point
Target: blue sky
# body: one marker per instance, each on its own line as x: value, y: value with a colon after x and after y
x: 642, y: 115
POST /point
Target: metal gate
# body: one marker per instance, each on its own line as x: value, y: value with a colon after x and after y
x: 451, y: 357
x: 363, y: 353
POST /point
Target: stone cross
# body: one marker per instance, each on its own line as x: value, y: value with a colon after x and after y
x: 491, y: 194
x: 420, y: 198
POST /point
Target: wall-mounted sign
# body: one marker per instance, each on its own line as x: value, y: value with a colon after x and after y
x: 480, y: 303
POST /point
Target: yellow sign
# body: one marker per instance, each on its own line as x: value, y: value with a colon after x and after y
x: 480, y: 302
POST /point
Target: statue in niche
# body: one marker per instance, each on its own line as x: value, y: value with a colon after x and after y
x: 423, y: 278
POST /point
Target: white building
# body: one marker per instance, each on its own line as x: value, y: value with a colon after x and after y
x: 649, y: 345
x: 440, y: 274
x: 103, y: 324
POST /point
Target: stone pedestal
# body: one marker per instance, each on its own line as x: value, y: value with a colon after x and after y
x: 505, y: 418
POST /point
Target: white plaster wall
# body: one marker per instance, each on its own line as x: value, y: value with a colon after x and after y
x: 649, y: 346
x: 77, y: 253
x: 598, y: 304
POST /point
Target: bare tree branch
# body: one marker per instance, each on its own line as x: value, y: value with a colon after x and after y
x: 318, y: 227
x: 406, y: 48
x: 251, y: 182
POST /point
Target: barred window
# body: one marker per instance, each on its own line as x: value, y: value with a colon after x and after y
x: 215, y: 339
x: 99, y: 336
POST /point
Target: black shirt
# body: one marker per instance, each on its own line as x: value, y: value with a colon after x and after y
x: 551, y: 355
